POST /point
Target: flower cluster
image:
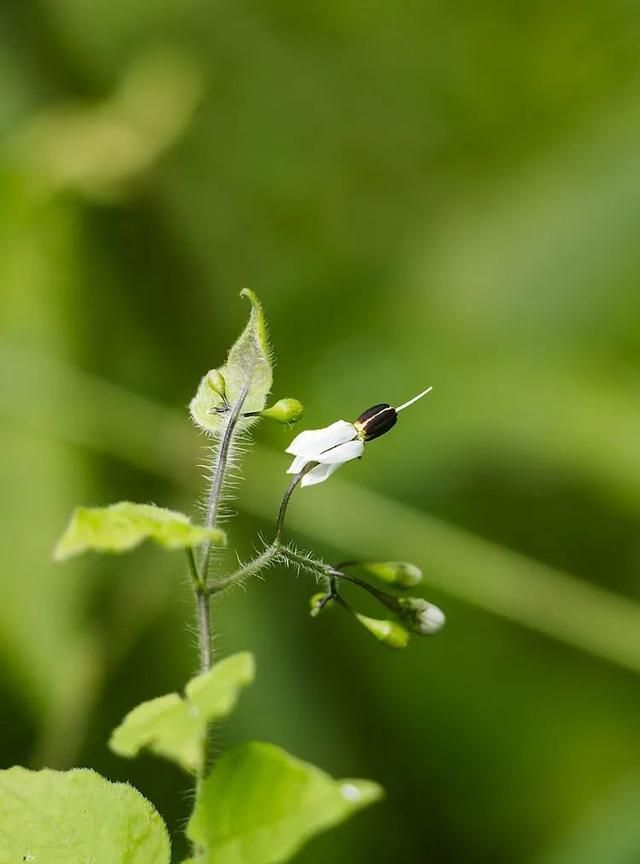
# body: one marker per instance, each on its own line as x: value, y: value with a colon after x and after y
x: 317, y: 454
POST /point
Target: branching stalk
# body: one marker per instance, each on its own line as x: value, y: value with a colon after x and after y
x: 268, y: 556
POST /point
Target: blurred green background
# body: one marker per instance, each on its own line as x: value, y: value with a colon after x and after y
x: 420, y: 193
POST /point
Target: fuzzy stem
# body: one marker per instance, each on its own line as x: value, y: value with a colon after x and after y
x: 251, y: 568
x: 319, y: 568
x: 215, y: 493
x: 200, y: 575
x: 204, y: 629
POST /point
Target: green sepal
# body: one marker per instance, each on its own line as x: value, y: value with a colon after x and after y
x: 259, y: 805
x: 249, y: 360
x: 120, y: 527
x: 175, y: 727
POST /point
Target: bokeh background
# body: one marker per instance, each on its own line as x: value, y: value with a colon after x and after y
x: 420, y: 193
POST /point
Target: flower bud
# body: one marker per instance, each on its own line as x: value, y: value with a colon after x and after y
x: 401, y: 574
x: 420, y: 616
x: 317, y: 603
x: 215, y: 380
x: 284, y: 411
x: 388, y: 632
x: 376, y: 421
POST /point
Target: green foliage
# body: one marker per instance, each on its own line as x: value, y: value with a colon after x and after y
x: 175, y: 728
x: 100, y: 149
x: 122, y: 526
x: 260, y: 805
x: 248, y: 360
x: 77, y: 816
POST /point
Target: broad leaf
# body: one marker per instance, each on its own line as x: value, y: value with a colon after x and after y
x: 259, y: 805
x: 122, y: 526
x: 62, y: 817
x: 175, y: 728
x: 248, y: 361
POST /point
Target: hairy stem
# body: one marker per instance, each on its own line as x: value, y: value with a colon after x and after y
x: 204, y: 629
x: 251, y: 568
x: 200, y: 575
x: 219, y: 473
x: 202, y: 608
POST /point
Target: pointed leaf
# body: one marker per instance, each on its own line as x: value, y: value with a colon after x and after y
x: 175, y: 728
x: 248, y: 360
x: 259, y: 806
x: 122, y: 526
x: 216, y: 692
x: 61, y: 817
x: 166, y: 727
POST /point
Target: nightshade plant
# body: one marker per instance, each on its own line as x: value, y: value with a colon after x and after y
x: 256, y: 804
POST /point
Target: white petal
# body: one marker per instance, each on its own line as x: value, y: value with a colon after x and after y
x: 318, y: 474
x: 342, y: 453
x: 313, y: 441
x: 297, y: 465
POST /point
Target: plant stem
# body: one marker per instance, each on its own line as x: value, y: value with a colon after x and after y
x: 204, y: 629
x: 273, y: 550
x: 202, y: 609
x: 200, y: 575
x: 286, y: 497
x: 217, y: 481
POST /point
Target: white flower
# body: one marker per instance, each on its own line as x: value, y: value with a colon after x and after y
x: 331, y: 447
x: 334, y: 445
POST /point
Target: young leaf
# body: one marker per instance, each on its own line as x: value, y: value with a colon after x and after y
x: 259, y: 805
x: 164, y: 726
x: 122, y: 526
x: 59, y: 817
x: 248, y: 360
x: 215, y: 693
x: 175, y: 728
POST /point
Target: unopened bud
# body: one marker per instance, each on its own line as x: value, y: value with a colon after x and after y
x: 317, y: 603
x: 390, y: 633
x: 420, y: 616
x: 398, y: 573
x: 215, y: 380
x: 284, y: 411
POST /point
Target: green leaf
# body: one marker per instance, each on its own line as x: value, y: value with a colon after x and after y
x: 175, y: 728
x: 61, y: 817
x: 166, y: 727
x: 216, y: 692
x: 124, y: 525
x: 248, y: 360
x: 259, y: 806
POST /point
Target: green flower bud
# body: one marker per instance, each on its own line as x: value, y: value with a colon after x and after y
x: 398, y: 573
x: 215, y: 380
x: 388, y: 632
x: 317, y: 604
x: 420, y: 616
x: 284, y: 411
